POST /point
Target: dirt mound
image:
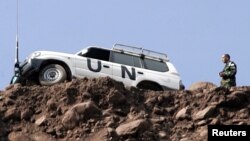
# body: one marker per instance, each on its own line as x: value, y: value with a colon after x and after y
x: 103, y: 110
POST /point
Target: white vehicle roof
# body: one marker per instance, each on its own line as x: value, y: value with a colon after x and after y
x: 132, y: 50
x: 86, y: 49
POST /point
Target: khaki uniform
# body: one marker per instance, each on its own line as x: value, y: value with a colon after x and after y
x: 229, y: 71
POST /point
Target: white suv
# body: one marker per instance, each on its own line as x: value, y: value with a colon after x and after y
x: 133, y: 66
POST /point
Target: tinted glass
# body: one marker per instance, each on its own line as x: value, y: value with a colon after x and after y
x: 137, y: 61
x: 122, y: 59
x: 155, y: 65
x: 100, y: 54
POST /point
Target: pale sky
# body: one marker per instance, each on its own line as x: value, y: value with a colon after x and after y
x: 194, y: 33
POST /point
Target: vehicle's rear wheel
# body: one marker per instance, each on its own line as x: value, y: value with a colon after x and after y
x: 52, y: 74
x: 150, y: 86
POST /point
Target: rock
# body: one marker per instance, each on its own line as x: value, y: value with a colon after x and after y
x: 80, y: 111
x: 235, y: 99
x: 51, y: 105
x: 59, y: 130
x: 242, y: 123
x: 215, y: 121
x: 150, y: 102
x: 201, y: 123
x: 9, y: 101
x: 110, y: 124
x: 112, y: 134
x: 107, y: 112
x: 19, y: 136
x: 244, y: 113
x: 170, y: 110
x: 51, y: 131
x: 203, y: 132
x: 12, y: 113
x: 38, y: 111
x: 189, y: 126
x: 159, y: 120
x: 70, y: 119
x: 132, y: 128
x: 103, y: 135
x: 158, y: 111
x: 116, y: 98
x: 41, y: 121
x: 86, y: 96
x: 241, y: 95
x: 201, y: 85
x: 206, y: 113
x: 185, y: 139
x: 199, y: 95
x: 40, y: 136
x: 87, y: 110
x: 162, y: 134
x: 26, y: 114
x: 183, y: 114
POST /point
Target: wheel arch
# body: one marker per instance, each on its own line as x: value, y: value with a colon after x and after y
x: 62, y: 63
x: 145, y: 83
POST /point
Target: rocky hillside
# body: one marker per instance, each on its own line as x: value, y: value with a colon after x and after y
x: 103, y: 110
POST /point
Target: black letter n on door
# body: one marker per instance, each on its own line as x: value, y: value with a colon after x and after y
x: 131, y: 75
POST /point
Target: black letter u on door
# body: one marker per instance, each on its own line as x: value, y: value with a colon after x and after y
x: 98, y: 69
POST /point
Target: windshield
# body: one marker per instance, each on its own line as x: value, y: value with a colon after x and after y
x: 82, y: 52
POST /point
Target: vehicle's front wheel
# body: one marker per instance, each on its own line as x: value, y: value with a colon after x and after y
x: 52, y: 74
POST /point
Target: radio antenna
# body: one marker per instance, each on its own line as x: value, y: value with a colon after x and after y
x: 17, y: 72
x: 17, y: 53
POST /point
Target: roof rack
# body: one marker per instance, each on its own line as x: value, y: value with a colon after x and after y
x: 141, y: 52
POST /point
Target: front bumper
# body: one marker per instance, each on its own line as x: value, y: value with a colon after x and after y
x: 30, y: 66
x: 27, y: 69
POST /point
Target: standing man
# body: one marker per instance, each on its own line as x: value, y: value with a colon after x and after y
x: 227, y: 75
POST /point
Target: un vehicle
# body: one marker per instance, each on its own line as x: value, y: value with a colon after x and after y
x: 133, y: 66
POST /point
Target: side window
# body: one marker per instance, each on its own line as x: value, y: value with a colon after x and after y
x: 99, y: 54
x: 122, y: 59
x: 155, y: 65
x: 137, y: 61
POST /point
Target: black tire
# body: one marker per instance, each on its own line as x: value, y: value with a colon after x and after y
x: 149, y: 86
x: 52, y: 74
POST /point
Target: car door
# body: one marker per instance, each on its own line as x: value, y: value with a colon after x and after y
x: 95, y: 63
x: 126, y: 68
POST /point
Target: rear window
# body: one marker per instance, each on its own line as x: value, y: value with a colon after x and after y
x: 155, y: 65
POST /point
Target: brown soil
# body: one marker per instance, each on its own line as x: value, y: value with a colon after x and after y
x: 103, y: 110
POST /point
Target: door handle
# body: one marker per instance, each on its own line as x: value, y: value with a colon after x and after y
x: 105, y: 66
x: 139, y: 72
